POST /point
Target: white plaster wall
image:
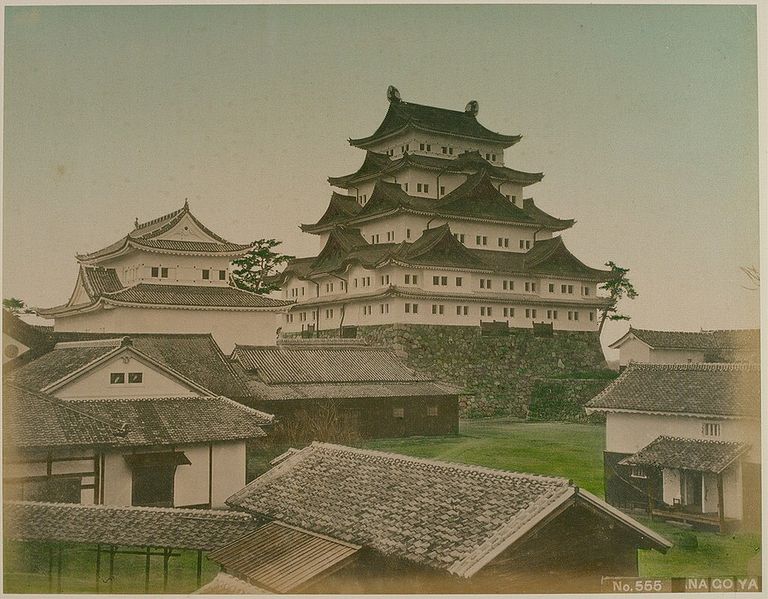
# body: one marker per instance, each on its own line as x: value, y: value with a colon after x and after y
x: 628, y: 433
x: 227, y: 327
x: 459, y: 145
x: 671, y: 485
x: 190, y: 483
x: 634, y: 350
x: 228, y: 471
x: 95, y: 383
x: 117, y: 479
x: 135, y: 267
x: 733, y: 492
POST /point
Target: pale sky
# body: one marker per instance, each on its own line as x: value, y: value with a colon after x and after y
x: 643, y: 119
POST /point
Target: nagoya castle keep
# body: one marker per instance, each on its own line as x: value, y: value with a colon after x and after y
x: 434, y: 229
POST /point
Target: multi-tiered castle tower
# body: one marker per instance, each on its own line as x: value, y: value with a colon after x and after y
x: 433, y: 229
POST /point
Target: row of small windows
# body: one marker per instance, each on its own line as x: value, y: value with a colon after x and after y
x: 120, y: 378
x: 296, y: 291
x: 330, y: 286
x: 161, y: 272
x: 441, y: 280
x: 436, y: 309
x: 427, y: 147
x: 568, y: 289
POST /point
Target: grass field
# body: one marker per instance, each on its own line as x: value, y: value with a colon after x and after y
x: 575, y: 451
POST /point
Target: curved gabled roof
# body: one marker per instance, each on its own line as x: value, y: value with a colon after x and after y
x: 438, y: 247
x: 475, y: 199
x: 340, y: 209
x: 144, y: 236
x: 379, y: 165
x: 402, y: 115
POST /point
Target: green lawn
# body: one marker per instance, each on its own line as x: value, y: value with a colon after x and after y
x: 575, y: 451
x: 26, y: 571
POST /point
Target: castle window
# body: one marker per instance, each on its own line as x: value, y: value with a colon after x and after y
x: 493, y: 157
x: 429, y: 147
x: 477, y: 239
x: 458, y: 281
x: 527, y: 244
x: 586, y: 290
x: 487, y: 156
x: 164, y: 272
x: 549, y: 314
x: 407, y: 147
x: 501, y: 242
x: 402, y: 149
x: 421, y: 147
x: 405, y: 187
x: 450, y: 150
x: 551, y: 287
x: 482, y: 310
x: 384, y: 308
x: 554, y: 314
x: 407, y: 279
x: 522, y: 244
x: 438, y: 309
x: 513, y: 199
x: 533, y: 312
x: 445, y: 149
x: 222, y: 275
x: 485, y: 240
x: 415, y: 279
x: 355, y: 282
x: 418, y: 187
x: 407, y: 233
x: 486, y: 311
x: 415, y: 308
x: 638, y: 472
x: 443, y: 280
x: 575, y: 315
x: 155, y: 271
x: 459, y: 237
x: 435, y: 280
x: 116, y: 378
x: 591, y: 316
x: 711, y: 429
x: 407, y: 308
x: 426, y: 188
x: 442, y: 190
x: 206, y: 274
x: 135, y: 378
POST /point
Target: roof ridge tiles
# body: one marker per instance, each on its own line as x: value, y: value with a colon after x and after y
x: 192, y: 512
x: 91, y: 343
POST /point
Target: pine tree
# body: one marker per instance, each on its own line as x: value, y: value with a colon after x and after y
x: 255, y: 270
x: 617, y: 286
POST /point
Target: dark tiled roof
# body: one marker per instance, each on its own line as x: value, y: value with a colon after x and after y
x: 131, y: 526
x: 433, y: 119
x: 177, y: 420
x: 688, y: 454
x: 192, y: 295
x: 710, y: 389
x: 546, y: 219
x: 437, y: 247
x: 379, y: 165
x: 98, y: 280
x: 193, y: 355
x: 282, y: 558
x: 144, y: 234
x: 56, y: 364
x: 297, y: 364
x: 452, y: 517
x: 340, y: 209
x: 477, y: 197
x: 698, y: 340
x: 433, y: 513
x: 33, y: 419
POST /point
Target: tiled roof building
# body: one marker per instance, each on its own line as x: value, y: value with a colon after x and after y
x: 170, y: 274
x: 684, y: 439
x: 441, y: 522
x: 433, y: 229
x: 681, y: 347
x: 371, y: 389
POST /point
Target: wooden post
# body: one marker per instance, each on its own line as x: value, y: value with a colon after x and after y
x: 650, y: 496
x: 166, y: 557
x: 98, y: 566
x: 111, y: 567
x: 720, y: 503
x: 50, y: 568
x: 146, y: 569
x: 199, y: 568
x: 58, y: 569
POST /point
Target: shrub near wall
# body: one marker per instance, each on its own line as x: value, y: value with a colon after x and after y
x: 562, y: 399
x: 498, y: 372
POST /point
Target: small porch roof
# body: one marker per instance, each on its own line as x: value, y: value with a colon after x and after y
x: 688, y: 454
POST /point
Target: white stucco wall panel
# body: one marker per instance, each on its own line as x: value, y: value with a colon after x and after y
x: 227, y: 327
x: 228, y: 471
x: 117, y: 480
x: 96, y: 383
x: 190, y: 484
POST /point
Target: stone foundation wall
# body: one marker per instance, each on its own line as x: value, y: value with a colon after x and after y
x: 563, y: 399
x: 499, y: 372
